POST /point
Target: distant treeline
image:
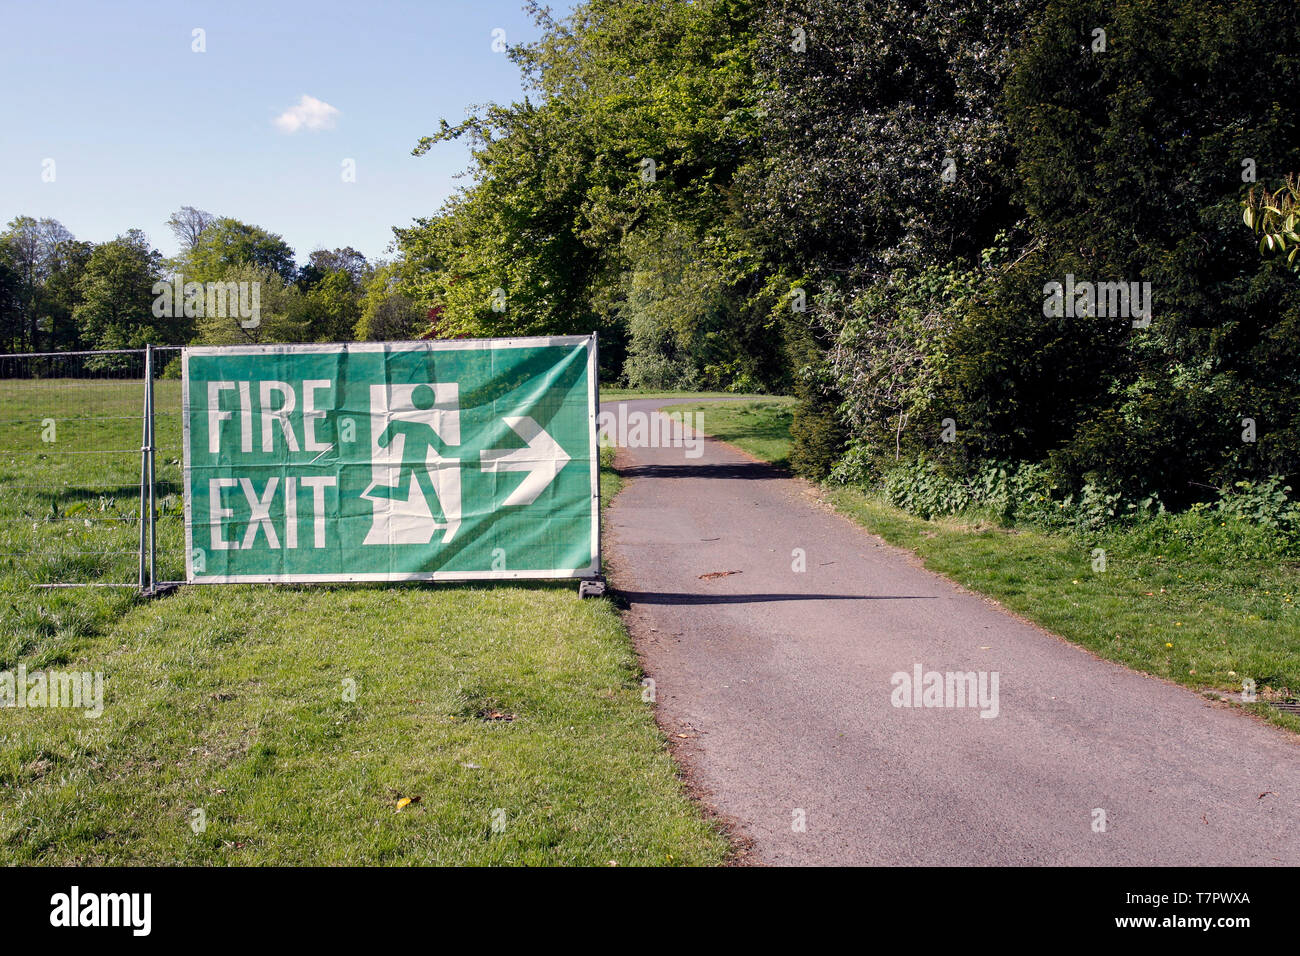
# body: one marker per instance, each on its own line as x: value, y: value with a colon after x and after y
x: 58, y: 293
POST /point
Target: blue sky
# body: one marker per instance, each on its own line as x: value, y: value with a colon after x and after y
x: 138, y: 124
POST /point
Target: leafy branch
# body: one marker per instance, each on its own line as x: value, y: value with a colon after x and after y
x: 1273, y: 218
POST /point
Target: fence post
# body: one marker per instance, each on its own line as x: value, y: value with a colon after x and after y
x: 595, y: 587
x: 144, y: 471
x: 153, y: 518
x: 600, y: 531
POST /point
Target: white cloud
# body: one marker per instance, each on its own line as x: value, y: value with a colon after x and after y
x: 310, y: 113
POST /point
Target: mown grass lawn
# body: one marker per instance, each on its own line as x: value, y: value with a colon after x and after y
x: 612, y: 394
x: 759, y: 426
x: 283, y: 725
x: 1181, y: 597
x: 514, y: 714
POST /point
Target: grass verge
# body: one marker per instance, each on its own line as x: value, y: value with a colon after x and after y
x: 760, y: 427
x: 613, y: 394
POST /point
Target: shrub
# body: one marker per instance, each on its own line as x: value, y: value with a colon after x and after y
x: 1263, y: 503
x: 816, y: 433
x: 1028, y: 494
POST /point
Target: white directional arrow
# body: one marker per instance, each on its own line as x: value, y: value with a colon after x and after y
x: 542, y: 459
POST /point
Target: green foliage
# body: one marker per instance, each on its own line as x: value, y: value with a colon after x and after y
x: 60, y: 294
x: 1266, y: 504
x: 11, y: 301
x: 918, y: 488
x: 227, y: 242
x: 386, y: 314
x: 116, y: 292
x: 679, y: 307
x: 283, y: 315
x: 1273, y: 217
x: 861, y: 122
x: 669, y: 302
x: 891, y: 352
x: 41, y: 265
x: 606, y: 203
x: 857, y: 125
x: 1263, y: 514
x: 322, y: 262
x: 1028, y: 495
x: 817, y: 435
x: 332, y: 307
x: 1129, y: 164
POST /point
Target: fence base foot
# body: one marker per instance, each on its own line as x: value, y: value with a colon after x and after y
x: 158, y: 590
x: 592, y: 587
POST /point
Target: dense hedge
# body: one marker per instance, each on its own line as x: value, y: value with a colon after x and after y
x: 1128, y: 164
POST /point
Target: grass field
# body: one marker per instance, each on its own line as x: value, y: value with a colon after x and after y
x: 610, y: 394
x: 261, y: 724
x: 759, y: 426
x: 1182, y: 597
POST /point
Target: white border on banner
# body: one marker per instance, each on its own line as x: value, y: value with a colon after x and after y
x: 593, y: 403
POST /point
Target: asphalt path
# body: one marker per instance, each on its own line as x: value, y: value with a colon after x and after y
x: 780, y: 689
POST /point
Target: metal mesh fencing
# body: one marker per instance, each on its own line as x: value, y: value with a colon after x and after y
x: 168, y: 477
x: 75, y: 507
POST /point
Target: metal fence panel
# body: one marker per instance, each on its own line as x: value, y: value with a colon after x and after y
x: 70, y: 467
x: 81, y: 503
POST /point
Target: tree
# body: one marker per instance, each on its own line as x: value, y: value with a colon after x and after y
x: 885, y: 155
x: 1129, y: 164
x: 116, y: 290
x: 637, y: 118
x: 226, y: 242
x: 23, y: 241
x: 387, y: 315
x: 332, y: 307
x: 188, y: 225
x: 33, y: 252
x: 281, y: 312
x: 684, y: 317
x: 324, y: 261
x: 884, y: 146
x: 61, y: 293
x: 11, y: 304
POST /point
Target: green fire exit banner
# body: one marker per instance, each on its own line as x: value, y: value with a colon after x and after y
x: 391, y: 461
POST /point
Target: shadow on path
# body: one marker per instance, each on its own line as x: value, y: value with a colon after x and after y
x: 746, y: 470
x: 669, y: 597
